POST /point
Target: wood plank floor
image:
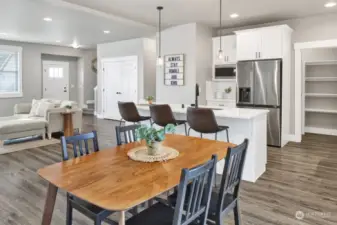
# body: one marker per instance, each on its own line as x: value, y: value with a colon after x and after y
x: 299, y: 177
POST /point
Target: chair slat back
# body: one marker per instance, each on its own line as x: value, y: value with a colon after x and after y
x: 77, y: 143
x: 232, y: 174
x: 126, y: 134
x: 193, y: 204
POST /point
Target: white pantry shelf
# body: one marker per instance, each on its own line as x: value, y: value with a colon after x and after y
x: 319, y: 130
x: 322, y: 111
x: 320, y: 63
x: 321, y: 79
x: 321, y: 95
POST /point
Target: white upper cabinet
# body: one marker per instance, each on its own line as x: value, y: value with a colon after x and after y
x: 228, y: 47
x: 271, y: 43
x: 261, y: 43
x: 248, y: 44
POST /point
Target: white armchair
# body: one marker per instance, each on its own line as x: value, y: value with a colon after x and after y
x: 53, y: 117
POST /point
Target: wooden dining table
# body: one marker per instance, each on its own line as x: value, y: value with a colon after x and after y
x: 111, y: 180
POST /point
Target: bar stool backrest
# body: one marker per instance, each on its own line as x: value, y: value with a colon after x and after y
x: 128, y: 111
x: 202, y: 120
x: 162, y: 115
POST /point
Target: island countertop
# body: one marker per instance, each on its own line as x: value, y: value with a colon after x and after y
x: 236, y: 113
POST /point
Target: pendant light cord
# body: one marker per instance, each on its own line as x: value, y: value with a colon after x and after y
x: 220, y: 24
x: 159, y: 9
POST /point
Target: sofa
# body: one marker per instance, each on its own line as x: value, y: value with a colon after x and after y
x: 52, y: 117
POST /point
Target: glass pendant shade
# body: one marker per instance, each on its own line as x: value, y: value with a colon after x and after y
x: 160, y: 61
x: 220, y: 54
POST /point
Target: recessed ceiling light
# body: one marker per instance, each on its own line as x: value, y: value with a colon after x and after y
x: 3, y: 34
x: 234, y: 15
x: 106, y: 32
x: 330, y: 4
x: 58, y: 41
x: 48, y: 19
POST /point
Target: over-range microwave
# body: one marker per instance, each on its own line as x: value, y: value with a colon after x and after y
x: 224, y: 72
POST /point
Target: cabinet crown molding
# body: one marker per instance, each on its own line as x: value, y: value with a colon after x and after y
x: 283, y: 26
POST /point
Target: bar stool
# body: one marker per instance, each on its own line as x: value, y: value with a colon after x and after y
x: 129, y: 113
x: 163, y: 115
x: 203, y: 120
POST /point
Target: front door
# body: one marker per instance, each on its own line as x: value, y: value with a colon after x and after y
x: 56, y: 80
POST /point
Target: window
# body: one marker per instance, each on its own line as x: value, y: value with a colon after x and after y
x: 10, y: 71
x: 55, y: 72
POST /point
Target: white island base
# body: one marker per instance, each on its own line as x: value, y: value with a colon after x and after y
x: 243, y: 123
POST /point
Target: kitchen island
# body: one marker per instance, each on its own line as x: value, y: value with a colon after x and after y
x: 243, y: 123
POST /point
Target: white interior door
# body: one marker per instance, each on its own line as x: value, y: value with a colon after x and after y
x: 112, y: 89
x: 56, y: 80
x: 129, y: 81
x: 119, y: 84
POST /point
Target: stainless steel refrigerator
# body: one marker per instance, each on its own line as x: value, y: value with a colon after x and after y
x: 259, y: 86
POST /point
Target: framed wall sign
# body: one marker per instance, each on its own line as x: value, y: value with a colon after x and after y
x: 174, y: 70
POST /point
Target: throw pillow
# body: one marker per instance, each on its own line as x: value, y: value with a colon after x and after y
x: 43, y: 108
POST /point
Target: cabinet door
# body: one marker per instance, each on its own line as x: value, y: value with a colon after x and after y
x: 229, y: 48
x: 247, y: 45
x: 271, y: 43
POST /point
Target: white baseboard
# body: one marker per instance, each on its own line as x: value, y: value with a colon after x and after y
x: 99, y: 116
x: 317, y: 130
x: 293, y: 138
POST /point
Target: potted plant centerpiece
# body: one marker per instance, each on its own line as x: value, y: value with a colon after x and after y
x: 153, y: 137
x: 68, y: 108
x: 149, y: 99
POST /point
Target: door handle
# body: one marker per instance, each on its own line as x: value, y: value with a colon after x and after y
x: 256, y: 55
x: 260, y: 55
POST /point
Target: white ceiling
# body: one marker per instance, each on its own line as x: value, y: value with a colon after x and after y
x: 83, y: 21
x: 207, y: 11
x: 22, y: 20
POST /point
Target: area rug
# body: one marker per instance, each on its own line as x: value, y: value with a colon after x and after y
x: 18, y: 145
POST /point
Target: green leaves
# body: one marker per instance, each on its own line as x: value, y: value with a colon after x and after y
x: 150, y: 134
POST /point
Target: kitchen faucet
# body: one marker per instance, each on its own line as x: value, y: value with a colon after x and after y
x: 196, y: 95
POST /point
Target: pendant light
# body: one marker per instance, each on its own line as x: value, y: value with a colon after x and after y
x: 159, y: 59
x: 220, y: 53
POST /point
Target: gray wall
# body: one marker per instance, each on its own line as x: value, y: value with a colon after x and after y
x: 195, y: 42
x: 32, y: 70
x: 321, y: 27
x: 140, y: 47
x: 204, y: 59
x: 73, y: 81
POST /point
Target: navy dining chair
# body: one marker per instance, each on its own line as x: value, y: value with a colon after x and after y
x: 192, y: 206
x: 226, y: 198
x: 81, y: 146
x: 126, y: 134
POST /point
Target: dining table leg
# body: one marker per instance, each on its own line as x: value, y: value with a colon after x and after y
x: 122, y: 218
x: 49, y: 204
